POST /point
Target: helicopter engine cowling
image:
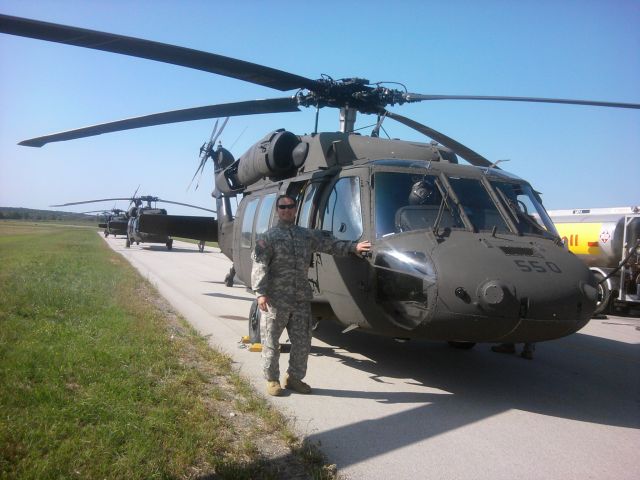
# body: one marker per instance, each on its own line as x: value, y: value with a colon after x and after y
x: 275, y: 156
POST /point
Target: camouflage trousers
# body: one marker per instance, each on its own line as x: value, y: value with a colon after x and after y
x: 297, y: 321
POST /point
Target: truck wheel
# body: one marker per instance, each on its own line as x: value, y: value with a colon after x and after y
x: 254, y: 323
x: 462, y: 345
x: 604, y: 295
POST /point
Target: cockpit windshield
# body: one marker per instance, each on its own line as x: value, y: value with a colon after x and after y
x: 526, y: 207
x: 406, y: 201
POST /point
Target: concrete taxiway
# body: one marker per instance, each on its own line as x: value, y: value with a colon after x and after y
x: 382, y: 410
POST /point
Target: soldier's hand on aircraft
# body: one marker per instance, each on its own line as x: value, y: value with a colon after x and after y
x: 363, y: 247
x: 263, y: 303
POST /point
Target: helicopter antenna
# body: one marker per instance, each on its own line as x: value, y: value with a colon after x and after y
x: 495, y: 164
x: 376, y: 130
x: 238, y: 138
x: 315, y: 129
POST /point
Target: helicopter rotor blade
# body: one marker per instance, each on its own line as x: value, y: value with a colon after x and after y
x: 210, y: 147
x: 90, y: 201
x: 251, y: 107
x: 206, y: 149
x: 215, y: 139
x: 416, y: 97
x: 161, y: 52
x: 185, y: 205
x: 469, y: 155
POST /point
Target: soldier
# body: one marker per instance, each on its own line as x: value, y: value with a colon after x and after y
x: 279, y: 278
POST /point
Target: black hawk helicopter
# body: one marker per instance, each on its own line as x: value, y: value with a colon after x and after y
x: 461, y: 253
x: 115, y: 221
x: 148, y: 224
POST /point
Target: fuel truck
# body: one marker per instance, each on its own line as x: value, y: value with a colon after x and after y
x: 608, y: 241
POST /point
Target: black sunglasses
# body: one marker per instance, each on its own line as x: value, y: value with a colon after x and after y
x: 283, y: 207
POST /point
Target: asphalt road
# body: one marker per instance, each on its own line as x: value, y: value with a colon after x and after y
x: 422, y: 410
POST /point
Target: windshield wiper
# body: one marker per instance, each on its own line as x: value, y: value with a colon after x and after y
x: 508, y: 204
x: 445, y: 196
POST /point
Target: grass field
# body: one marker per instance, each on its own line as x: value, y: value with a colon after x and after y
x: 101, y: 379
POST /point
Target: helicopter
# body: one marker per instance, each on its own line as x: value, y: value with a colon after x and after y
x: 148, y: 224
x: 460, y: 253
x: 115, y: 221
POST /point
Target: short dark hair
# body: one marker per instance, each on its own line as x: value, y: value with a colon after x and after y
x: 290, y: 197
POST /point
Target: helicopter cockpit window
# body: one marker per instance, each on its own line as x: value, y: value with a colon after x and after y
x: 406, y: 201
x: 526, y: 207
x: 264, y: 214
x: 478, y: 205
x: 342, y: 213
x: 307, y: 203
x: 247, y: 223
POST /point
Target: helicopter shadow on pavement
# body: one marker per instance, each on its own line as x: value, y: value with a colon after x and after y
x: 232, y: 297
x: 163, y: 248
x: 580, y: 377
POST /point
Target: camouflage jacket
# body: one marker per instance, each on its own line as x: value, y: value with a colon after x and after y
x: 282, y: 257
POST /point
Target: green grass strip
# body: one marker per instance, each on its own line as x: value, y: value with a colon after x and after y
x: 96, y: 383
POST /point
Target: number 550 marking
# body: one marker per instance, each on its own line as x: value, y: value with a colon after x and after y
x: 536, y: 266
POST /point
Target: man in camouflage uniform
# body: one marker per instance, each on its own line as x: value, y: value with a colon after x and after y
x: 279, y: 278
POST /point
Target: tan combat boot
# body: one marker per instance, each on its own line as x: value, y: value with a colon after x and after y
x: 274, y: 388
x: 296, y: 385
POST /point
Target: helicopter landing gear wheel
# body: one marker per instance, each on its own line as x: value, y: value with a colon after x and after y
x: 201, y: 246
x: 106, y: 234
x: 127, y: 243
x: 604, y: 295
x: 462, y: 345
x: 169, y: 244
x: 254, y: 323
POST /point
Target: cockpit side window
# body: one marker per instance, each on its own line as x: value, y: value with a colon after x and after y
x: 526, y: 208
x: 342, y: 214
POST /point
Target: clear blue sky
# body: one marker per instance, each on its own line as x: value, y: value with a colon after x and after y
x: 576, y: 156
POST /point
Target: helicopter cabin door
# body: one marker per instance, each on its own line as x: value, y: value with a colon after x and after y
x: 343, y: 281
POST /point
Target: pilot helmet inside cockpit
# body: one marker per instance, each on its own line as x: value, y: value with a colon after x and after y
x: 423, y: 192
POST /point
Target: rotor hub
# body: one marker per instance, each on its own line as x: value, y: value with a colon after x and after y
x: 355, y: 93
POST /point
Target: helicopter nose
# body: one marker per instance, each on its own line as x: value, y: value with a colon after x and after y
x: 486, y: 293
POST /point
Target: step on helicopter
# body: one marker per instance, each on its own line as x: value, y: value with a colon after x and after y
x: 461, y: 253
x: 147, y: 224
x: 115, y: 221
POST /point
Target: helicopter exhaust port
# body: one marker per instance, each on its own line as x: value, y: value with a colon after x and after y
x: 278, y: 155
